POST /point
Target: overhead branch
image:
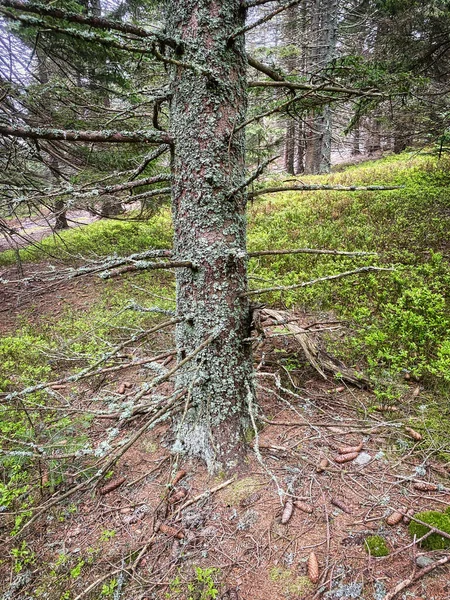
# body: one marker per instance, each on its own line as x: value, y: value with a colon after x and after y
x: 262, y: 20
x: 252, y: 3
x: 180, y: 63
x: 252, y: 177
x: 313, y: 187
x: 86, y: 36
x: 147, y: 266
x: 259, y: 66
x: 319, y: 88
x: 120, y: 187
x: 44, y: 133
x: 91, y: 21
x: 283, y: 288
x: 151, y: 194
x: 148, y: 159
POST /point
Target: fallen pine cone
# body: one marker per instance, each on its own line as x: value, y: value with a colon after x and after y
x: 340, y: 505
x: 178, y: 477
x: 313, y: 568
x: 322, y: 465
x: 307, y: 508
x: 350, y: 449
x: 407, y: 517
x: 171, y: 531
x: 112, y: 485
x: 343, y: 458
x: 424, y: 486
x: 121, y: 389
x: 179, y: 495
x: 287, y: 511
x: 395, y: 517
x: 414, y: 434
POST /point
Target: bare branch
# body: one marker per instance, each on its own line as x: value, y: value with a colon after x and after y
x: 415, y: 577
x: 319, y: 88
x: 147, y: 266
x: 252, y: 177
x: 259, y: 66
x: 262, y: 20
x: 314, y: 187
x: 149, y: 136
x: 308, y: 251
x: 283, y: 288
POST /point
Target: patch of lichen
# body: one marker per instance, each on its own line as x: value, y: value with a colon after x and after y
x: 239, y: 490
x: 375, y: 545
x: 292, y: 585
x: 440, y: 520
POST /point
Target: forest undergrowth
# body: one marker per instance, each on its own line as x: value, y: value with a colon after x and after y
x: 393, y: 326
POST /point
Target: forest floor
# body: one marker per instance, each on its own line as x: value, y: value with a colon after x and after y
x: 224, y: 537
x: 28, y: 230
x: 66, y: 534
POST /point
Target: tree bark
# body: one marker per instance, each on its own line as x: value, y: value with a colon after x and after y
x: 210, y: 228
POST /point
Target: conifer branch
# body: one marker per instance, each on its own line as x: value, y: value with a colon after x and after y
x: 262, y: 20
x: 292, y: 85
x: 315, y: 187
x: 44, y: 133
x: 283, y: 288
x: 91, y: 21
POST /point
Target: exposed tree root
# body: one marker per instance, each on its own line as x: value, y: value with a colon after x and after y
x: 318, y: 358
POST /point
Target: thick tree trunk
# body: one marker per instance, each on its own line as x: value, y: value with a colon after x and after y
x: 210, y: 227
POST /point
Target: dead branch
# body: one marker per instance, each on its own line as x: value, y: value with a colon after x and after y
x: 282, y: 288
x: 408, y: 582
x: 308, y: 251
x: 203, y: 495
x: 68, y: 135
x: 262, y: 20
x: 315, y: 187
x: 147, y: 266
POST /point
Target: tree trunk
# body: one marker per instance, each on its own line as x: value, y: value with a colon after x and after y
x: 210, y: 228
x: 289, y: 146
x: 356, y: 150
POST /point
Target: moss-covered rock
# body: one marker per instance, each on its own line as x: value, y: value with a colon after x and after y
x: 375, y: 545
x: 437, y: 519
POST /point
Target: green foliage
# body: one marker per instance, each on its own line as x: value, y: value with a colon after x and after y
x: 401, y: 320
x: 22, y: 360
x: 22, y: 556
x: 436, y: 519
x: 109, y: 588
x: 201, y: 587
x: 375, y: 545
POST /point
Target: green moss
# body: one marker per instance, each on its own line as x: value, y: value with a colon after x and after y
x: 291, y: 584
x: 437, y: 519
x: 375, y: 545
x: 240, y: 490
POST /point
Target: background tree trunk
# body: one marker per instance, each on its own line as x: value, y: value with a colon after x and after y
x: 210, y: 227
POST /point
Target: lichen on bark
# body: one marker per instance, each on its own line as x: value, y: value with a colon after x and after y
x: 210, y: 227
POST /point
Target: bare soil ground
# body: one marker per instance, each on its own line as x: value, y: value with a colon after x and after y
x: 29, y: 230
x: 149, y: 544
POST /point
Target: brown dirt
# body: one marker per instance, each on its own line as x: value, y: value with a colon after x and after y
x: 238, y: 529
